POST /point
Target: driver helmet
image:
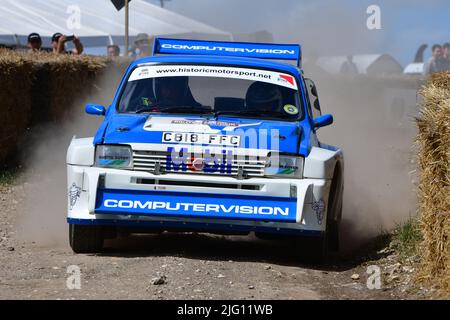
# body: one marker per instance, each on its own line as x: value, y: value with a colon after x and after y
x: 264, y: 96
x: 171, y: 89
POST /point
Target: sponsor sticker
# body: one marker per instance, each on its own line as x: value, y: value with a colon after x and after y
x: 198, y: 164
x: 319, y: 209
x: 164, y: 203
x: 195, y: 207
x: 281, y: 79
x: 74, y: 194
x: 205, y: 122
x: 225, y: 48
x: 208, y: 161
x: 287, y: 78
x: 290, y: 109
x: 179, y: 124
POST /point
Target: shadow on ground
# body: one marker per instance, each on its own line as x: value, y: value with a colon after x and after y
x: 235, y: 248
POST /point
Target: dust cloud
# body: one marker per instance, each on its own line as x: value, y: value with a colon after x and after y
x: 374, y: 126
x: 43, y: 214
x: 373, y: 118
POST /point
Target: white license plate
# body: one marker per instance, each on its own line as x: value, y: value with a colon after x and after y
x: 201, y: 138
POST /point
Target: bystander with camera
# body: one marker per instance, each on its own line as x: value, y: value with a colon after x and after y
x: 59, y: 44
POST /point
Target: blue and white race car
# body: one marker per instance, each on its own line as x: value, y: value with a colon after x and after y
x: 215, y: 137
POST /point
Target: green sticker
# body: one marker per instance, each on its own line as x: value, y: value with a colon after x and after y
x: 146, y: 102
x: 290, y: 109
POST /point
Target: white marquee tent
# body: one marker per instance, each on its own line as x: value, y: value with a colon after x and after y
x: 96, y: 22
x: 365, y: 63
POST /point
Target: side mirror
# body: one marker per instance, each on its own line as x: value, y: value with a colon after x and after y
x: 322, y: 121
x: 95, y: 109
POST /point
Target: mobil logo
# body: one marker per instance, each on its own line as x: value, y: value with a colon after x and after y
x: 183, y: 160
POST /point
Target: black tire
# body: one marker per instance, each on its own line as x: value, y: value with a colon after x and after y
x: 86, y: 238
x: 109, y: 233
x: 333, y: 235
x: 268, y: 236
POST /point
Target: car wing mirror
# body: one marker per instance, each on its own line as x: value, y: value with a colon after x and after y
x: 323, y: 120
x: 95, y: 109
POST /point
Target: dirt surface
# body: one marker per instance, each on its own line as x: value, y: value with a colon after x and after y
x: 184, y: 266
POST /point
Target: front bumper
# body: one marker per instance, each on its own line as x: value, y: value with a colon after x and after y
x: 129, y: 198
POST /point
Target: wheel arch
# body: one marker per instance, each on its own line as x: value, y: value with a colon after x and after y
x: 81, y: 152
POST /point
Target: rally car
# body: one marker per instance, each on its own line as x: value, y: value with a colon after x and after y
x: 216, y: 137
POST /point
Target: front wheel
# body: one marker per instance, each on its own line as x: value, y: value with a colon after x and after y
x: 86, y: 238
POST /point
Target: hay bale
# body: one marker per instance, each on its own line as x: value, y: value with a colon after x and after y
x: 71, y: 79
x: 433, y: 141
x: 16, y: 76
x: 44, y: 87
x: 67, y: 78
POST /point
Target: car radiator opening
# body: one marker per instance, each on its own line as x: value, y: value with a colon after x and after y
x: 161, y: 162
x: 161, y: 182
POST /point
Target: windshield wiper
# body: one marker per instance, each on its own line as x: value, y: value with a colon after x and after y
x: 143, y: 109
x: 187, y: 109
x: 242, y: 112
x: 181, y: 109
x: 250, y: 113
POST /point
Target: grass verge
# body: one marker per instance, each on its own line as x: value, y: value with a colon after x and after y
x: 8, y: 176
x: 406, y: 238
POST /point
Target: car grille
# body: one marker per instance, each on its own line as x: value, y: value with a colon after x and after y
x: 156, y: 162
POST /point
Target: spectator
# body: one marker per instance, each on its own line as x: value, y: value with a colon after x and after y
x: 446, y: 55
x: 59, y: 42
x: 446, y: 50
x: 143, y: 44
x: 349, y: 67
x: 34, y: 42
x: 437, y: 62
x: 113, y: 51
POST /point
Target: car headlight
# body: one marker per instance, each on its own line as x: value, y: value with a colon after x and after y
x: 113, y: 156
x: 282, y: 166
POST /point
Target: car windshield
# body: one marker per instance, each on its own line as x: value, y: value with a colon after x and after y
x: 211, y: 90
